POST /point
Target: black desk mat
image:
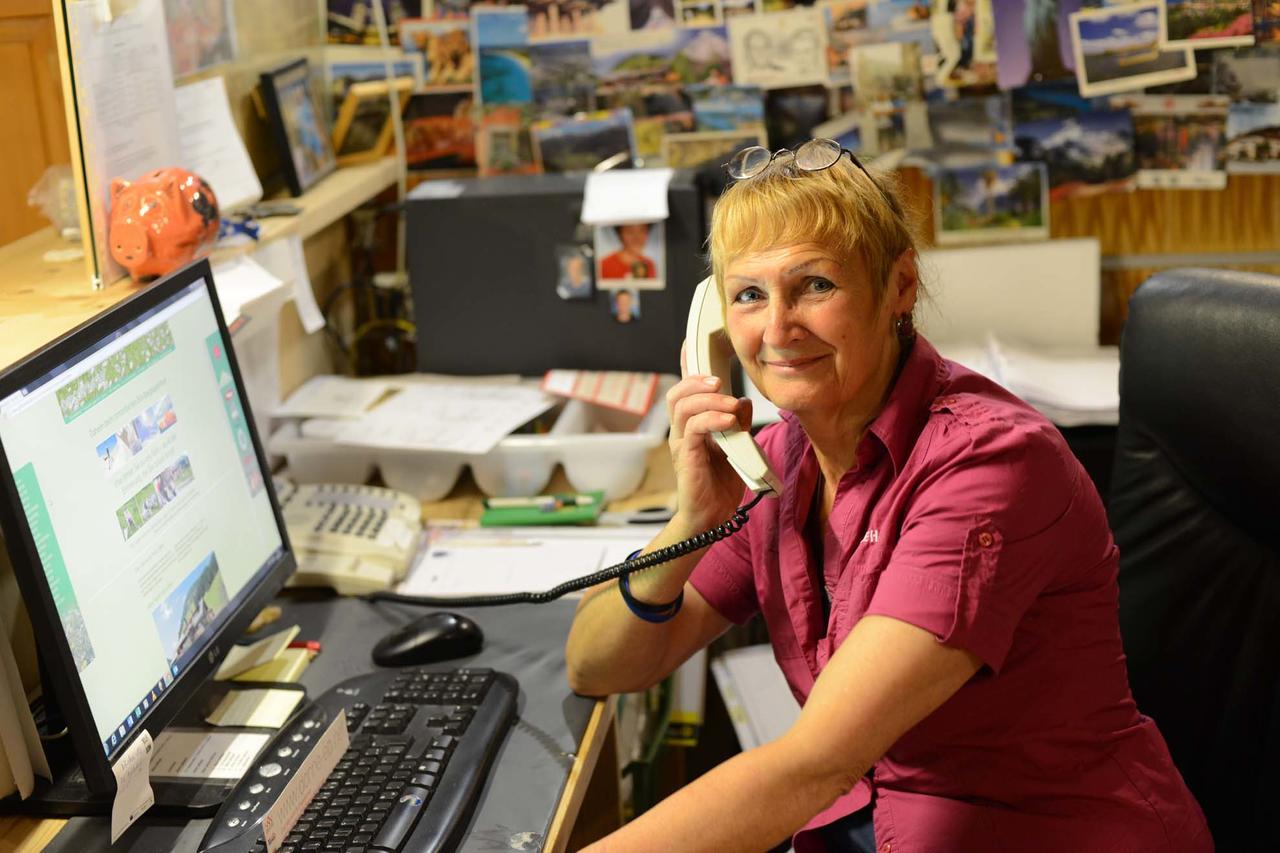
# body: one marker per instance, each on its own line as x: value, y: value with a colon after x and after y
x: 523, y: 788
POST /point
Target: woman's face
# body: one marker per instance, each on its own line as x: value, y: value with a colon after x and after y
x: 805, y: 324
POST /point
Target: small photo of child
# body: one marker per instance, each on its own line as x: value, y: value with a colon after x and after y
x: 625, y: 305
x: 575, y: 280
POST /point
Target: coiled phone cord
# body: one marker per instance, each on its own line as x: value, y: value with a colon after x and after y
x: 644, y: 561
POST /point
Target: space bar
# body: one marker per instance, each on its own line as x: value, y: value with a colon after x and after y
x: 402, y: 818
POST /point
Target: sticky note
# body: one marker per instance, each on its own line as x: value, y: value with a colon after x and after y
x: 260, y: 707
x: 241, y: 658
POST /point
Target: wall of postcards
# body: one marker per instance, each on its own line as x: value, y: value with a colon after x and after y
x: 1006, y: 104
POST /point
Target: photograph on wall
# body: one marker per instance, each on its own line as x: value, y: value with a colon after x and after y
x: 574, y: 19
x: 1266, y: 21
x: 1087, y: 154
x: 581, y: 143
x: 656, y: 112
x: 792, y: 114
x: 1204, y: 24
x: 979, y: 124
x: 702, y: 56
x: 1178, y: 139
x: 631, y: 255
x: 439, y: 131
x: 690, y: 150
x: 634, y: 60
x: 964, y: 34
x: 845, y: 19
x: 652, y: 14
x: 575, y: 275
x: 506, y: 75
x: 1253, y: 138
x: 624, y: 305
x: 446, y: 50
x: 1248, y: 74
x: 499, y: 26
x: 561, y: 76
x: 503, y: 143
x: 1117, y: 49
x: 779, y: 50
x: 354, y: 21
x: 1057, y: 99
x: 886, y: 73
x: 897, y: 21
x: 202, y: 33
x: 698, y: 13
x: 991, y: 204
x: 1033, y: 46
x: 727, y: 107
x: 738, y: 8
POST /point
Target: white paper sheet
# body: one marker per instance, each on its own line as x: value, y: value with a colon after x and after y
x: 211, y: 145
x: 1086, y: 381
x: 204, y: 754
x: 626, y: 195
x: 489, y: 561
x: 133, y: 785
x: 333, y: 397
x: 459, y: 418
x: 125, y: 101
x: 244, y: 287
x: 285, y: 259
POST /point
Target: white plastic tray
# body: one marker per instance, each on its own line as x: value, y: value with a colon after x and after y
x: 599, y: 448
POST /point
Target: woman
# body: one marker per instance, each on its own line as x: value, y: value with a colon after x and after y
x: 937, y: 575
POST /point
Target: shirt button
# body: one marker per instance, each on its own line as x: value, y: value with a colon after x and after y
x: 985, y: 539
x: 886, y: 847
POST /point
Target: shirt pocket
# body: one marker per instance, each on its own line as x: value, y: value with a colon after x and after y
x: 857, y: 586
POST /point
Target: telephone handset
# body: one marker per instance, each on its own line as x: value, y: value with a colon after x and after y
x: 356, y: 539
x: 707, y: 350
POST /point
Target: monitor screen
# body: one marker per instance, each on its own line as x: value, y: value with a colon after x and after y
x: 149, y: 510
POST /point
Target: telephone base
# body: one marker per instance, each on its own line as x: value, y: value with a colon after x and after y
x: 344, y: 573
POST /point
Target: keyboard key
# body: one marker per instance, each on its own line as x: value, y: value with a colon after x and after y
x: 403, y: 816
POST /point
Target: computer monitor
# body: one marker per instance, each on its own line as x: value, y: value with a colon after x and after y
x: 137, y: 510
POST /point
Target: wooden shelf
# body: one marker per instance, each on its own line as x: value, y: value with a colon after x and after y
x: 40, y: 299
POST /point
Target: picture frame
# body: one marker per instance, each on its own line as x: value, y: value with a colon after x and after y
x: 689, y: 150
x: 299, y: 127
x: 363, y: 128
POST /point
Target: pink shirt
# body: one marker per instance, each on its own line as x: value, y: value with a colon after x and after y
x: 968, y: 516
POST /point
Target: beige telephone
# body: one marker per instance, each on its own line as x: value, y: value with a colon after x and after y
x: 356, y: 539
x: 707, y: 350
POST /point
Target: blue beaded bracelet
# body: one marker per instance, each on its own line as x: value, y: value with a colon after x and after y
x: 655, y: 613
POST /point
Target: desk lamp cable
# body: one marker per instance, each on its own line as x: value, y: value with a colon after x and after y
x: 626, y: 567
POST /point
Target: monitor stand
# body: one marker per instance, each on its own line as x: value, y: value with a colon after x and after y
x: 68, y: 795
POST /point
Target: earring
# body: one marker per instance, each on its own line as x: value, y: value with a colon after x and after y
x: 904, y: 327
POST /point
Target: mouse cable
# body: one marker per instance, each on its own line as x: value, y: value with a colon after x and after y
x: 644, y: 561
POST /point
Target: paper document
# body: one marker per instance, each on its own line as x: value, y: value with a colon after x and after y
x: 287, y: 261
x: 626, y: 195
x: 257, y: 707
x: 333, y: 397
x: 202, y: 754
x: 245, y: 287
x: 488, y: 561
x: 211, y: 144
x: 457, y: 418
x: 133, y: 785
x: 242, y: 658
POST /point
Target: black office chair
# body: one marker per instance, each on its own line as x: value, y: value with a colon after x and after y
x: 1195, y: 506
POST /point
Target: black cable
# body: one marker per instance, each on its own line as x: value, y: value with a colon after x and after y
x: 644, y: 561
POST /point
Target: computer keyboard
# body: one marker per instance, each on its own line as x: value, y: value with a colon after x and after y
x: 422, y: 740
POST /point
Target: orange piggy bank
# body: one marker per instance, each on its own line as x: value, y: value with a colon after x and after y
x: 161, y: 221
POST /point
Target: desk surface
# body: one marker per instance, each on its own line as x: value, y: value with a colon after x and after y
x: 536, y: 785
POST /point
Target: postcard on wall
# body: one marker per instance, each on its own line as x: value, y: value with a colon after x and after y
x: 499, y: 26
x: 624, y: 304
x: 991, y: 204
x: 845, y: 19
x: 727, y: 107
x: 631, y: 255
x: 964, y: 34
x: 1117, y: 49
x: 634, y: 60
x: 886, y: 73
x: 446, y: 50
x: 698, y: 13
x: 1178, y: 139
x: 780, y: 50
x: 581, y: 143
x: 1031, y: 36
x: 1201, y: 24
x: 656, y: 112
x: 567, y: 19
x: 702, y: 56
x: 561, y: 76
x: 575, y: 279
x: 738, y: 8
x: 1253, y: 138
x: 984, y: 124
x: 505, y: 75
x: 1266, y: 21
x: 1249, y: 74
x: 202, y: 33
x: 354, y: 21
x: 503, y: 143
x: 688, y: 150
x: 1087, y: 154
x: 652, y: 14
x: 439, y: 131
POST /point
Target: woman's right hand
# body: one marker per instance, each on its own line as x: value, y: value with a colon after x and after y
x: 708, y: 489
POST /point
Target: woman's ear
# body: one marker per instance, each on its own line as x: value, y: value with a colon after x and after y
x: 904, y: 282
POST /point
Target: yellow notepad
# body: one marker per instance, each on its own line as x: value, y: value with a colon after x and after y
x: 287, y: 667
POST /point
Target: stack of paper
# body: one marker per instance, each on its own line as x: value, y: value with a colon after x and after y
x: 21, y: 754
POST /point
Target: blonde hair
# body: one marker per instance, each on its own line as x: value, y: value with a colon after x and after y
x: 840, y: 208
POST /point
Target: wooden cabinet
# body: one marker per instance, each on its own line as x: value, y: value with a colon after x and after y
x: 34, y: 132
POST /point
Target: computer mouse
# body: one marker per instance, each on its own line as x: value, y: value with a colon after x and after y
x: 435, y: 637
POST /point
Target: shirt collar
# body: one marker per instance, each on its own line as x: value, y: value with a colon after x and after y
x: 898, y: 425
